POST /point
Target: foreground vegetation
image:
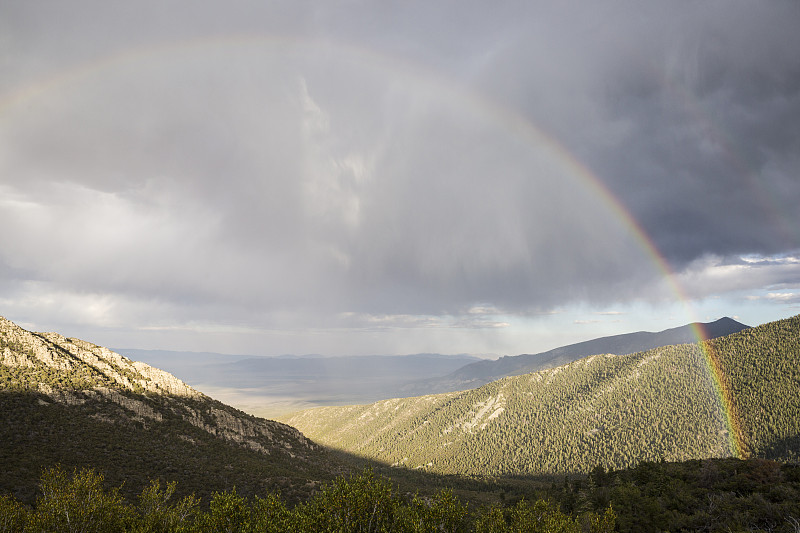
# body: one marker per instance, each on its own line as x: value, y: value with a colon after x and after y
x: 608, y: 410
x: 701, y: 495
x: 363, y: 503
x: 707, y: 495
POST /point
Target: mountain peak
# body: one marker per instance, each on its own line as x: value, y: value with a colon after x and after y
x: 722, y: 326
x: 609, y: 410
x: 97, y: 365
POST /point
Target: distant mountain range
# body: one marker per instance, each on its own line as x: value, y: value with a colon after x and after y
x: 270, y: 386
x: 670, y: 402
x: 482, y: 372
x: 248, y: 370
x: 274, y: 386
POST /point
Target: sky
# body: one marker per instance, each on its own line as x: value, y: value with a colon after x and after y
x: 386, y: 177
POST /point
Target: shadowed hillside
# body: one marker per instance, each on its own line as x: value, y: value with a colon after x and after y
x: 71, y: 402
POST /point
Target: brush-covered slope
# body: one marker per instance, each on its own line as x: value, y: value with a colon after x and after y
x: 71, y: 402
x: 609, y: 410
x: 482, y: 372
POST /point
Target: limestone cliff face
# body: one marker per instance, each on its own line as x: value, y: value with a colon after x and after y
x: 26, y: 349
x: 78, y: 373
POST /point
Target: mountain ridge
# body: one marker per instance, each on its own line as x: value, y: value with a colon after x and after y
x: 482, y: 372
x: 272, y: 386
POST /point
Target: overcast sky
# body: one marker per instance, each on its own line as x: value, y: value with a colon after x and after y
x: 345, y: 177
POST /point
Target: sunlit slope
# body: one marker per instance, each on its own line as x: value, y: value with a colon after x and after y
x: 609, y: 410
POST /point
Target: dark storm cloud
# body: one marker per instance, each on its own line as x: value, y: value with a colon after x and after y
x: 708, y: 161
x: 271, y: 163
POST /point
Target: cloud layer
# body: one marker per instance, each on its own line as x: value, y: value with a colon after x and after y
x: 313, y: 165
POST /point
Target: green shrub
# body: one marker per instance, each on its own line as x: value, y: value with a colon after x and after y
x: 13, y: 515
x: 442, y: 513
x: 362, y: 503
x: 156, y: 513
x: 78, y: 504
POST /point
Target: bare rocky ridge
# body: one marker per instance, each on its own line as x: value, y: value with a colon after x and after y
x: 26, y: 349
x: 81, y: 373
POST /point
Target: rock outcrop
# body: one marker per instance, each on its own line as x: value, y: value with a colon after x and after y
x: 78, y: 373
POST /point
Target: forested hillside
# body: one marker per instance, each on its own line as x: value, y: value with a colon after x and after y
x: 608, y: 410
x: 70, y: 402
x: 761, y: 366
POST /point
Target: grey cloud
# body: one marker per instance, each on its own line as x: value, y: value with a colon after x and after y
x: 707, y: 127
x: 432, y: 206
x: 372, y: 157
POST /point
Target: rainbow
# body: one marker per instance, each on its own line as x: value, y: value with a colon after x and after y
x: 507, y: 118
x: 725, y: 396
x: 719, y: 381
